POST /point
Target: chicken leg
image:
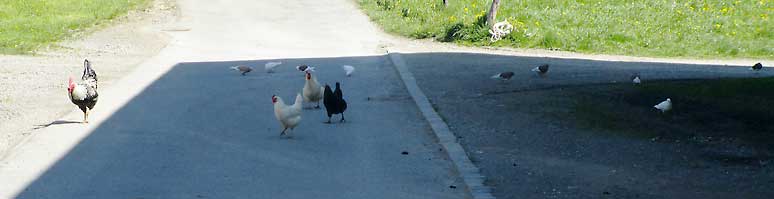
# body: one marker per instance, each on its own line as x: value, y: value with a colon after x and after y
x: 86, y: 116
x: 342, y: 118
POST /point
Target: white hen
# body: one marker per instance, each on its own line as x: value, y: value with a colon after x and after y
x: 313, y: 92
x: 664, y: 106
x: 288, y: 116
x: 348, y: 69
x: 270, y: 66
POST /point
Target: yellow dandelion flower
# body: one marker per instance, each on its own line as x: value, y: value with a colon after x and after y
x: 466, y: 9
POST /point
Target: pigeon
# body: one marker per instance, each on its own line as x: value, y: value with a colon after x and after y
x: 541, y: 70
x: 757, y: 67
x: 636, y: 78
x: 304, y: 68
x: 348, y: 69
x: 242, y: 69
x: 503, y: 76
x: 664, y: 106
x: 270, y: 66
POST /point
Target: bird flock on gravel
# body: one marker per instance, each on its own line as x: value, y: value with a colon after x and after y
x: 636, y: 79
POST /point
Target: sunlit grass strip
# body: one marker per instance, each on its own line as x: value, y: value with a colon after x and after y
x: 26, y: 25
x: 660, y: 28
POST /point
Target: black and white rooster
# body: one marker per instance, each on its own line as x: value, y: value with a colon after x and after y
x: 84, y: 94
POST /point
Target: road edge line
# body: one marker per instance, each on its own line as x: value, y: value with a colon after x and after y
x: 468, y: 171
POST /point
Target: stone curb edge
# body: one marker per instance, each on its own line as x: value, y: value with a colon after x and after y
x: 469, y: 173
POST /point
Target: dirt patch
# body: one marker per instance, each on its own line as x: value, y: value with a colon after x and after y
x: 33, y: 91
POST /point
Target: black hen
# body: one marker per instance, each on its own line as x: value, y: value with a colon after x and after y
x: 334, y: 102
x: 342, y: 102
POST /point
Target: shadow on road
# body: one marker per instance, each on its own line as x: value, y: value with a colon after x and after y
x: 202, y: 130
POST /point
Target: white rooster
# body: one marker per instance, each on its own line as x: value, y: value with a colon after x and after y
x: 313, y: 92
x: 288, y: 116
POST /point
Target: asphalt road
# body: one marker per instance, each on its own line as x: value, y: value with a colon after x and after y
x: 183, y: 125
x: 512, y: 132
x: 202, y: 130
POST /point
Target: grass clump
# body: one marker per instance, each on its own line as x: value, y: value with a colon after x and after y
x: 26, y: 25
x: 639, y: 28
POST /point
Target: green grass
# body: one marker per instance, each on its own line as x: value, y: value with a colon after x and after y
x: 693, y: 28
x: 726, y: 108
x: 26, y: 25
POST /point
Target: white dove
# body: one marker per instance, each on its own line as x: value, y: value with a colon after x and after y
x: 664, y: 106
x: 348, y: 69
x: 636, y: 79
x: 271, y: 65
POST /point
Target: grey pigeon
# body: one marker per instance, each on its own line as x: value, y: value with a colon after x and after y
x: 757, y: 67
x: 242, y: 69
x: 503, y: 76
x: 305, y: 68
x: 541, y: 70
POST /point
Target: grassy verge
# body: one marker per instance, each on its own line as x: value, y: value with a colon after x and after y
x: 640, y: 28
x: 26, y: 25
x: 730, y: 109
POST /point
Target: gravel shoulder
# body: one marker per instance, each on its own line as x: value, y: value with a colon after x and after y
x: 512, y: 131
x: 33, y: 91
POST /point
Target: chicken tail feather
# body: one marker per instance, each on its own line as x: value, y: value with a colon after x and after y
x: 299, y: 99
